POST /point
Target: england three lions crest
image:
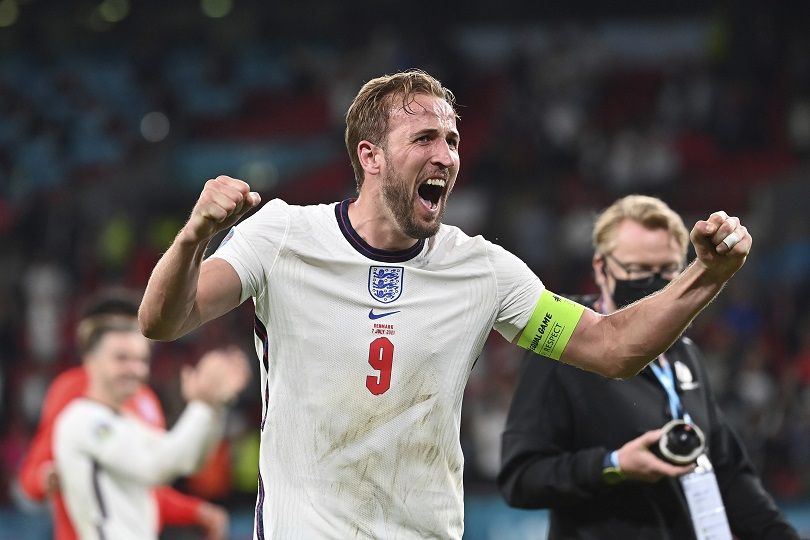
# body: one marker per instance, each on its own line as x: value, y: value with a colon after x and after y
x: 385, y: 283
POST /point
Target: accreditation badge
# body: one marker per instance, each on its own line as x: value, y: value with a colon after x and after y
x: 705, y: 503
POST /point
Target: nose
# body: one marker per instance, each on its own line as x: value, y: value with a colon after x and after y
x: 138, y: 368
x: 443, y: 155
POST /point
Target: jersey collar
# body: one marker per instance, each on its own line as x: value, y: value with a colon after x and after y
x: 362, y: 247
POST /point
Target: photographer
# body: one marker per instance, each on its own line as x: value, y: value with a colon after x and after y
x: 587, y: 447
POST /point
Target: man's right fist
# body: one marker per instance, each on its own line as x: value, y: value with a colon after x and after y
x: 222, y: 202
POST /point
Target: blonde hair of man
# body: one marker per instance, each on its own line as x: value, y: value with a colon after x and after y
x: 650, y: 212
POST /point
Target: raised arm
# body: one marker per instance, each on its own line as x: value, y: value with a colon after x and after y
x: 184, y: 292
x: 620, y: 344
x: 151, y: 456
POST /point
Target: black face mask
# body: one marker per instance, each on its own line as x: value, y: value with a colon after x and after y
x: 628, y: 291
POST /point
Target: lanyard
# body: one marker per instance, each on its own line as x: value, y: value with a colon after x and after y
x: 664, y: 375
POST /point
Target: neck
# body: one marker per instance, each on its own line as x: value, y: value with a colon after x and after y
x: 605, y: 304
x: 97, y: 393
x: 373, y: 222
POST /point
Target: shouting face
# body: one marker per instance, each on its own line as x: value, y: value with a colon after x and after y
x: 421, y: 164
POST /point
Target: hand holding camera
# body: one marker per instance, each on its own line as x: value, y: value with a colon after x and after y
x: 644, y: 460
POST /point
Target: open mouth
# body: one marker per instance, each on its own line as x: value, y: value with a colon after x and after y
x: 431, y: 191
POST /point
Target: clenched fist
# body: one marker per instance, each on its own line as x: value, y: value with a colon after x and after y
x: 721, y: 244
x: 222, y: 202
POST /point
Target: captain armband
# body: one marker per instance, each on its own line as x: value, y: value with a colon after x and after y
x: 550, y: 327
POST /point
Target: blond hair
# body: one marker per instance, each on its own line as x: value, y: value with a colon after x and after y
x: 650, y: 212
x: 91, y: 329
x: 111, y: 309
x: 368, y: 115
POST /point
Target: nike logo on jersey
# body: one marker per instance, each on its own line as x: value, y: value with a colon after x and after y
x: 373, y: 316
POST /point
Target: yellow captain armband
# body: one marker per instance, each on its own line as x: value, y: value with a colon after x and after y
x: 550, y: 327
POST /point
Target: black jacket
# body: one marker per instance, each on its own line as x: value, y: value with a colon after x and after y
x: 562, y: 423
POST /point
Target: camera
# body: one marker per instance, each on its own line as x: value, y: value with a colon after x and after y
x: 681, y: 442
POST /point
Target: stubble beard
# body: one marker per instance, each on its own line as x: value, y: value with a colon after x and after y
x: 399, y: 199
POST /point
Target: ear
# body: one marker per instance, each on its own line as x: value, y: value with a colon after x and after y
x: 598, y: 265
x: 88, y: 361
x: 370, y: 156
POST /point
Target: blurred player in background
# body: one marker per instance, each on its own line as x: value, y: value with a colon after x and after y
x: 37, y: 476
x: 581, y: 444
x: 370, y: 314
x: 108, y: 462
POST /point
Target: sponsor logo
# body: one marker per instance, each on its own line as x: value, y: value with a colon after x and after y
x: 374, y: 316
x: 385, y: 283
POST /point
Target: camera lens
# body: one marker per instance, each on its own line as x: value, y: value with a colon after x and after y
x: 681, y: 443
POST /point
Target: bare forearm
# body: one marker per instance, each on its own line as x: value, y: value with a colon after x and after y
x: 620, y: 344
x: 168, y: 308
x: 644, y: 330
x: 182, y: 292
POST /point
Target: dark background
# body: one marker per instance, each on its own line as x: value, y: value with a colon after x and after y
x: 114, y: 113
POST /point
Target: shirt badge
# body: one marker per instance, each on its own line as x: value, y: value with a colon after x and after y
x: 102, y: 431
x: 385, y: 283
x: 684, y: 375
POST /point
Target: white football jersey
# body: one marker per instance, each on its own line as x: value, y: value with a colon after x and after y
x: 108, y: 464
x: 365, y: 354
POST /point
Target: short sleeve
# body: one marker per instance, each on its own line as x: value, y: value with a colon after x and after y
x: 518, y: 291
x: 252, y: 246
x: 84, y: 429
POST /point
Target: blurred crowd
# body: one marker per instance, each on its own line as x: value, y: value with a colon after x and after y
x: 110, y: 127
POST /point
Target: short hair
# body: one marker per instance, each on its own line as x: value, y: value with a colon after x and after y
x: 650, y: 212
x: 111, y: 301
x: 113, y: 309
x: 368, y: 116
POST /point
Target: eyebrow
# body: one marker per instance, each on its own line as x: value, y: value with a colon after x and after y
x: 645, y: 265
x: 435, y: 133
x: 626, y: 264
